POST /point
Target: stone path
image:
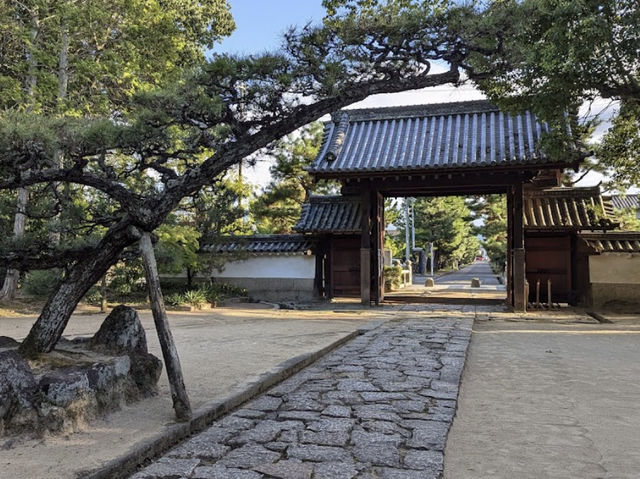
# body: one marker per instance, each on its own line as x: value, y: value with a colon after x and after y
x: 378, y: 407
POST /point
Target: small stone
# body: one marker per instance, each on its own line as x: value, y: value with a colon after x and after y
x: 170, y: 467
x: 430, y: 460
x: 298, y: 415
x: 309, y: 452
x: 332, y: 425
x: 221, y: 472
x: 381, y: 412
x: 335, y: 470
x: 395, y: 473
x: 381, y: 396
x: 249, y: 456
x: 378, y: 454
x: 200, y: 447
x: 324, y: 438
x: 432, y: 435
x: 286, y: 470
x: 337, y: 411
x: 265, y: 403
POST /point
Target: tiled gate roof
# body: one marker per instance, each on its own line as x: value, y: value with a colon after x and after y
x: 429, y: 137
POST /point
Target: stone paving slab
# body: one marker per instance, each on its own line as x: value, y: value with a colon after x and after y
x: 378, y: 407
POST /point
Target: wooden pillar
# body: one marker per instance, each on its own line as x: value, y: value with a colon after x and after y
x: 509, y: 266
x: 519, y: 270
x: 181, y: 403
x: 318, y: 282
x: 365, y: 247
x: 377, y: 239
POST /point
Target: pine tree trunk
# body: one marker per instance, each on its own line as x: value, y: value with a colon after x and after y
x: 80, y: 277
x: 169, y: 352
x: 10, y: 285
x: 63, y: 86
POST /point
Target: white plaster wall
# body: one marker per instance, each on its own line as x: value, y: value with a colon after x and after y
x: 299, y: 267
x: 615, y: 268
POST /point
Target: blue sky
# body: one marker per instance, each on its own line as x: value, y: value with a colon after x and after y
x: 260, y: 23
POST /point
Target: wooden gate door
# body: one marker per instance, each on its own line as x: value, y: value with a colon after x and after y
x: 549, y: 258
x: 345, y: 266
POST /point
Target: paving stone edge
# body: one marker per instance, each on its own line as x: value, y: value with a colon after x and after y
x: 465, y: 364
x: 153, y: 447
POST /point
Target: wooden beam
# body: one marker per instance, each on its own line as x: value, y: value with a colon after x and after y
x: 509, y: 272
x: 179, y: 395
x: 519, y: 269
x: 377, y: 232
x: 365, y: 246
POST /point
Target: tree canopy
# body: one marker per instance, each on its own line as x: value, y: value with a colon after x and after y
x: 553, y: 56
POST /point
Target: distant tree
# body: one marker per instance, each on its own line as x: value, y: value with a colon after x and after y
x: 445, y: 221
x: 278, y: 208
x: 491, y: 210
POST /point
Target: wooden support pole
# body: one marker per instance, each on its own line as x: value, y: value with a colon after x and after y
x: 365, y: 247
x: 509, y: 265
x: 519, y: 270
x: 179, y: 396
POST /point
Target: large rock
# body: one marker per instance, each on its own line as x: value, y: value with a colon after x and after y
x: 17, y: 389
x: 121, y: 332
x: 79, y: 380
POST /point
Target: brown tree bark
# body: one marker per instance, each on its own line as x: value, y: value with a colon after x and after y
x: 55, y: 315
x: 179, y: 395
x: 10, y: 285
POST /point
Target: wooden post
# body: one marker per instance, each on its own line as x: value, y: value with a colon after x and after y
x: 519, y: 271
x: 169, y: 353
x: 365, y: 247
x: 103, y: 294
x: 318, y: 286
x: 510, y: 246
x: 377, y: 236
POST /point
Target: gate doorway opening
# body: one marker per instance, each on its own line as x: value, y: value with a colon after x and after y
x: 455, y: 247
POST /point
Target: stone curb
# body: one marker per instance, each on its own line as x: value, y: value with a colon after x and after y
x: 127, y: 464
x: 465, y: 365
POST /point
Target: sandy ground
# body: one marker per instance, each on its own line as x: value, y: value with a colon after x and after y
x: 220, y: 352
x: 552, y: 398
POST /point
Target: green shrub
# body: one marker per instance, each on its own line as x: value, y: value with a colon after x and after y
x: 93, y: 296
x: 175, y: 299
x: 392, y: 277
x: 196, y: 298
x: 41, y: 282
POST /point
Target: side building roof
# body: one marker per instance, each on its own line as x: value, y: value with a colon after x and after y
x: 447, y: 136
x: 330, y: 214
x: 558, y: 208
x: 613, y: 241
x: 625, y: 202
x: 260, y: 244
x: 566, y: 208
